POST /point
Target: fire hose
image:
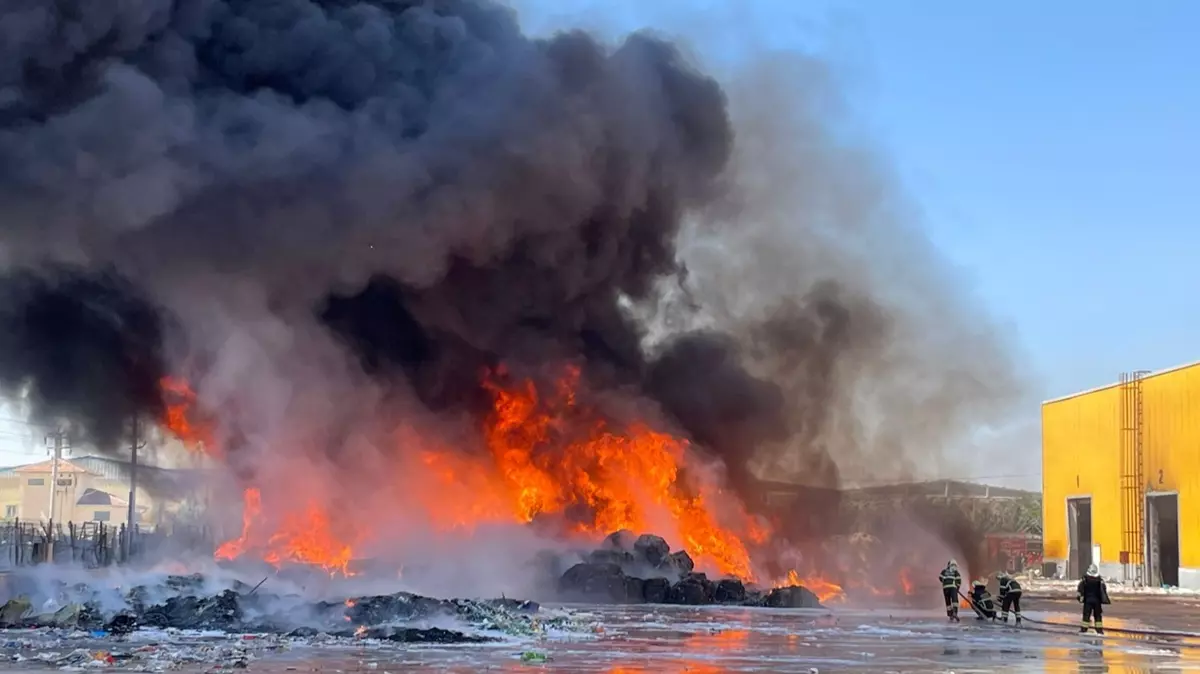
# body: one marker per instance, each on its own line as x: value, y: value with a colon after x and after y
x: 1116, y: 630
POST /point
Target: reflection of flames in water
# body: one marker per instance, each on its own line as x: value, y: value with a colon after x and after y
x: 724, y: 640
x: 678, y: 666
x: 548, y: 455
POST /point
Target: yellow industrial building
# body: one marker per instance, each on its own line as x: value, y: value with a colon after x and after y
x: 1121, y: 479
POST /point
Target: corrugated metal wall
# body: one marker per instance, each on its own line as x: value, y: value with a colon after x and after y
x: 1172, y: 441
x: 1081, y: 456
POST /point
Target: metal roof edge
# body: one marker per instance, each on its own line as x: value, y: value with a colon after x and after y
x: 1097, y: 389
x: 939, y: 481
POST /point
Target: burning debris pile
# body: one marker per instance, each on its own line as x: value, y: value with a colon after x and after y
x: 639, y: 570
x: 191, y: 603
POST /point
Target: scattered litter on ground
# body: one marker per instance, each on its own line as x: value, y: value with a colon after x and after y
x: 535, y: 657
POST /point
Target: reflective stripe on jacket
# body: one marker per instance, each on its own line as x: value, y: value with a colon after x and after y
x: 983, y: 599
x: 1008, y: 587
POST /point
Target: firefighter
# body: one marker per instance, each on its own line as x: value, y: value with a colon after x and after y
x: 1010, y: 596
x: 985, y: 608
x: 1092, y: 593
x: 951, y: 584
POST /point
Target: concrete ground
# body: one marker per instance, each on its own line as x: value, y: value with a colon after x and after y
x: 1177, y: 614
x: 717, y: 640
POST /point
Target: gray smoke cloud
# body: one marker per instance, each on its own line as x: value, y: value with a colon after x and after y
x: 329, y: 213
x: 815, y: 266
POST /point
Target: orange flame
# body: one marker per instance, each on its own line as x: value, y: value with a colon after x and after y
x: 180, y: 413
x: 251, y: 510
x: 308, y: 538
x: 551, y: 456
x: 548, y: 458
x: 304, y: 538
x: 621, y: 475
x: 825, y: 590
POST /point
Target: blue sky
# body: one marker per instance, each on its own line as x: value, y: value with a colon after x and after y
x: 1053, y: 149
x: 1052, y: 146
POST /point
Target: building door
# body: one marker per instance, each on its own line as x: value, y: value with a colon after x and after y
x: 1162, y: 539
x: 1079, y: 532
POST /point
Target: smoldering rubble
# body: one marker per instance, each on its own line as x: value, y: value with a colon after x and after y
x: 198, y: 603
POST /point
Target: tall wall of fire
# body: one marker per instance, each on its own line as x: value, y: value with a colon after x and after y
x: 1121, y: 479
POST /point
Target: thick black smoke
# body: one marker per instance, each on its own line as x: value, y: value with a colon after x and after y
x: 82, y: 348
x: 438, y: 191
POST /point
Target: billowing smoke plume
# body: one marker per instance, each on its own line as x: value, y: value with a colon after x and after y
x: 322, y: 209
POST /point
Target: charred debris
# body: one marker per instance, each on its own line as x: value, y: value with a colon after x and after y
x: 187, y: 602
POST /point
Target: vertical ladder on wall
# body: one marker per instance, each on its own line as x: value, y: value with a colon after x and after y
x: 1133, y: 482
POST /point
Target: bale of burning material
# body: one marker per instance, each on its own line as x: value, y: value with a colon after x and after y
x: 654, y: 590
x: 619, y: 540
x: 598, y: 582
x: 621, y: 558
x: 653, y: 550
x: 729, y: 591
x: 635, y: 589
x: 682, y: 563
x: 792, y: 596
x: 694, y: 589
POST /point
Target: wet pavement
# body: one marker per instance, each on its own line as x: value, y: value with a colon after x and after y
x: 1180, y: 614
x: 711, y: 640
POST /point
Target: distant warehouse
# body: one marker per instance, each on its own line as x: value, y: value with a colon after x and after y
x: 1121, y: 479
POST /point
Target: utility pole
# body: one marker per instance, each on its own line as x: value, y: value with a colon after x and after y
x: 135, y: 443
x: 57, y: 437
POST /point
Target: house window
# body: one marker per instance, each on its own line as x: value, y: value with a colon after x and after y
x: 101, y: 516
x: 10, y: 512
x: 65, y: 482
x: 36, y: 481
